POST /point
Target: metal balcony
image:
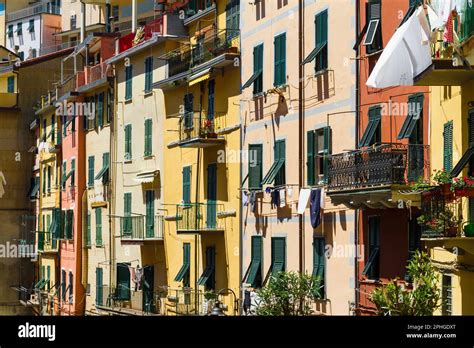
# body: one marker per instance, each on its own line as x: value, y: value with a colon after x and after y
x: 199, y: 217
x: 199, y: 129
x: 139, y: 229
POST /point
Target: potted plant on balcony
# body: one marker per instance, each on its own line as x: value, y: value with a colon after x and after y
x: 463, y: 187
x: 444, y: 180
x: 420, y: 185
x: 445, y: 223
x: 209, y: 299
x: 208, y: 130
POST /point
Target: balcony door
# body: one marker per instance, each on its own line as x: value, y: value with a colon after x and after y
x: 148, y: 285
x: 211, y: 196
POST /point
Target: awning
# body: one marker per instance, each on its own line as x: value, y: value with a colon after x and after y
x: 199, y: 77
x: 274, y: 169
x: 146, y: 177
x: 408, y: 54
x: 463, y: 162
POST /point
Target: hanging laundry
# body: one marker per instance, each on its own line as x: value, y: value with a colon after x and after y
x: 449, y: 30
x: 323, y: 198
x: 275, y: 202
x: 245, y: 198
x: 253, y: 204
x: 315, y: 207
x: 132, y: 273
x: 268, y: 190
x: 303, y: 200
x: 289, y: 192
x: 138, y: 278
x: 282, y: 198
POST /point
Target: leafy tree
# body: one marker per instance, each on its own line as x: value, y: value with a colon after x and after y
x: 289, y: 294
x: 396, y: 299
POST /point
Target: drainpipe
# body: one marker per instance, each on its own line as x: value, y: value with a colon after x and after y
x: 108, y: 28
x: 301, y: 126
x: 83, y: 21
x: 134, y: 16
x: 356, y: 137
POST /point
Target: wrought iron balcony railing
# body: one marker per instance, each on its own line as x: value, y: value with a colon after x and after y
x: 384, y: 165
x: 186, y: 301
x: 142, y: 228
x: 226, y: 41
x: 201, y: 125
x: 196, y: 217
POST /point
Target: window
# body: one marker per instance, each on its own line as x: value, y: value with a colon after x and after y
x: 448, y: 146
x: 73, y: 171
x: 128, y: 142
x: 208, y: 276
x: 187, y: 184
x: 123, y: 281
x: 53, y: 128
x: 411, y: 9
x: 278, y: 257
x: 33, y: 53
x: 100, y: 109
x: 468, y: 157
x: 260, y: 9
x: 280, y: 60
x: 148, y: 74
x: 63, y: 285
x: 150, y: 213
x: 210, y: 99
x: 110, y: 105
x: 183, y: 274
x: 254, y: 272
x: 414, y: 241
x: 373, y: 132
x: 127, y: 213
x: 319, y: 261
x: 128, y: 82
x: 318, y: 151
x: 68, y: 224
x: 11, y: 84
x: 19, y: 29
x: 276, y: 172
x: 415, y: 113
x: 90, y: 180
x: 99, y: 287
x: 211, y: 213
x: 21, y: 55
x: 49, y: 179
x: 48, y: 277
x: 447, y: 295
x: 71, y: 287
x: 98, y: 227
x: 148, y: 137
x: 321, y: 47
x: 64, y: 176
x: 372, y: 266
x: 31, y: 26
x: 188, y: 110
x: 10, y: 31
x: 282, y: 3
x: 257, y: 78
x: 232, y: 11
x: 89, y: 234
x: 373, y: 37
x: 73, y: 22
x: 255, y: 166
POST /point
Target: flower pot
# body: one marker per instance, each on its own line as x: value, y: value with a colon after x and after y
x: 469, y: 192
x: 445, y: 189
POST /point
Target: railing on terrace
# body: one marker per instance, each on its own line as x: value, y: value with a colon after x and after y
x: 93, y: 73
x: 386, y: 164
x: 139, y: 228
x: 34, y: 10
x: 195, y: 217
x: 151, y: 27
x: 441, y: 214
x: 201, y: 125
x: 68, y: 85
x: 129, y: 301
x: 185, y: 301
x: 57, y: 47
x: 220, y: 42
x: 48, y: 99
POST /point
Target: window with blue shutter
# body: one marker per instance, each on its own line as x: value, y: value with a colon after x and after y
x: 128, y: 82
x: 280, y: 60
x: 187, y: 184
x: 148, y: 137
x: 255, y: 166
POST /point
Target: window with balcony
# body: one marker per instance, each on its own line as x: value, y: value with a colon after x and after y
x: 468, y: 156
x: 232, y: 11
x: 150, y: 213
x: 280, y: 60
x: 373, y: 132
x: 123, y: 282
x: 127, y: 213
x: 253, y: 276
x: 372, y: 265
x: 319, y: 262
x: 318, y: 152
x: 188, y: 111
x: 276, y: 173
x: 99, y: 286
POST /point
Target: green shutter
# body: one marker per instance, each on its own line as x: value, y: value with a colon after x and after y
x: 150, y: 213
x: 257, y: 77
x: 148, y: 74
x: 128, y: 82
x: 100, y: 109
x: 128, y: 142
x: 255, y: 166
x: 44, y: 180
x: 280, y: 60
x: 48, y: 276
x: 11, y: 84
x: 321, y: 25
x: 148, y: 137
x: 98, y: 226
x: 310, y: 157
x: 73, y: 172
x: 255, y: 269
x: 99, y: 287
x: 123, y: 282
x: 448, y: 146
x: 318, y: 265
x: 127, y: 213
x: 327, y: 151
x: 89, y: 236
x: 69, y: 224
x: 183, y: 273
x: 280, y: 156
x: 187, y: 184
x: 278, y: 255
x: 90, y: 181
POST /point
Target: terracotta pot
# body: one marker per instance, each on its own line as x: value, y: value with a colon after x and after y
x: 445, y: 189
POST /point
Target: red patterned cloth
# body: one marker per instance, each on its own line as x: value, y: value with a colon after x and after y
x: 449, y: 30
